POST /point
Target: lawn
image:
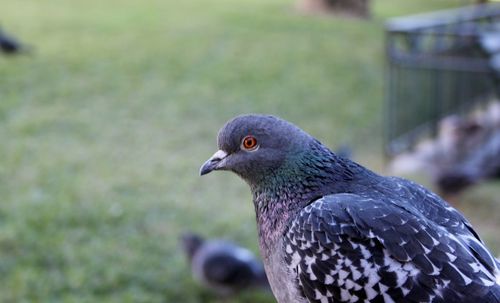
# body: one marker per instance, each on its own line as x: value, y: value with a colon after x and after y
x: 105, y: 126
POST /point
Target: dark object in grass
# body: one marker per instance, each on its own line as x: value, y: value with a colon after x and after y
x: 222, y: 266
x: 10, y: 46
x: 352, y: 8
x: 331, y: 230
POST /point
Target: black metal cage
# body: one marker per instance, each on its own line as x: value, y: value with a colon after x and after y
x: 438, y: 64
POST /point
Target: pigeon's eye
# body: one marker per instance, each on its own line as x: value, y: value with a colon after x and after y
x: 249, y: 143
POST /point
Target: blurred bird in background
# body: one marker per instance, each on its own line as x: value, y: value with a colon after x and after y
x: 222, y: 266
x: 466, y: 151
x: 11, y: 46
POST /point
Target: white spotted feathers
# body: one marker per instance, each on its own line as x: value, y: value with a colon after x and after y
x: 342, y: 249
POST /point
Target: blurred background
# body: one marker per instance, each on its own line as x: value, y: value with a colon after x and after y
x: 112, y: 106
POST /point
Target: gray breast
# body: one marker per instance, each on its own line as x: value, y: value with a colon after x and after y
x: 283, y: 281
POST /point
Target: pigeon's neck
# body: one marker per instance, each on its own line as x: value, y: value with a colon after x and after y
x: 280, y: 195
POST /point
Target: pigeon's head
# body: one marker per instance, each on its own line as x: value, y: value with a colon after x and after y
x: 253, y: 146
x: 190, y: 243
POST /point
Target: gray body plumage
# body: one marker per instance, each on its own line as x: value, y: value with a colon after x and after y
x: 331, y: 230
x: 222, y: 266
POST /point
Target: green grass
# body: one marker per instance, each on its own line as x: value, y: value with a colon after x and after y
x: 104, y: 128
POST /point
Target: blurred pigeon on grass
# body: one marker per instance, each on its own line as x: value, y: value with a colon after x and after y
x: 11, y: 46
x: 222, y: 266
x: 331, y: 230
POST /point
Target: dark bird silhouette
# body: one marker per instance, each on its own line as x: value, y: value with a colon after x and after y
x: 331, y: 230
x: 222, y: 266
x: 10, y: 46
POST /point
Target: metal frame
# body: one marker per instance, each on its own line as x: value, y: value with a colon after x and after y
x: 435, y: 67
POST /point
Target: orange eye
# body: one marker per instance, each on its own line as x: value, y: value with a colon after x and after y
x: 249, y: 143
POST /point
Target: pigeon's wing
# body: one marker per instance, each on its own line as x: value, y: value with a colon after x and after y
x: 344, y: 247
x: 227, y: 269
x: 435, y: 212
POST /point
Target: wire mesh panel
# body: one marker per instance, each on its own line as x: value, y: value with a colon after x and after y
x: 438, y: 64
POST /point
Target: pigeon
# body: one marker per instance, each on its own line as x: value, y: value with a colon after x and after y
x: 331, y: 230
x: 222, y: 266
x: 465, y: 152
x: 10, y: 46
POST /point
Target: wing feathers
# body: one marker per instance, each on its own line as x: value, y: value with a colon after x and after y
x: 354, y: 248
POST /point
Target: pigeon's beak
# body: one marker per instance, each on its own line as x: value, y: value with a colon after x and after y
x: 213, y: 163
